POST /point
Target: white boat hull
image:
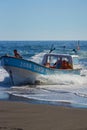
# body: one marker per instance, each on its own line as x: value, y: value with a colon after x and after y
x: 20, y: 76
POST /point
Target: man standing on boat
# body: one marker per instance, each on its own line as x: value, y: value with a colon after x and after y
x: 16, y: 54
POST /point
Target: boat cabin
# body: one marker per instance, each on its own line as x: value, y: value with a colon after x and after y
x: 61, y: 61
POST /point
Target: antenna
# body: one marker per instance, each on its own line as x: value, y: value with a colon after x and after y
x: 78, y: 46
x: 52, y: 48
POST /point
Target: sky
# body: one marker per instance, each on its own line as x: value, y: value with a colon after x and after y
x: 43, y: 19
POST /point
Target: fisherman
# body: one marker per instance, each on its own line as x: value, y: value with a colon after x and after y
x: 57, y: 65
x: 16, y: 54
x: 47, y: 65
x: 66, y: 65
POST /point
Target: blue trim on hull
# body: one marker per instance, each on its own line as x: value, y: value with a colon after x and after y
x: 33, y: 67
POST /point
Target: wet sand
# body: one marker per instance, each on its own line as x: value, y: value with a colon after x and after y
x: 25, y: 116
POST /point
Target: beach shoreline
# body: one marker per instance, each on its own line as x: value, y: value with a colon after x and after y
x: 27, y: 116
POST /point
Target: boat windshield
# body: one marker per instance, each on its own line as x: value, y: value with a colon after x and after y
x: 52, y: 59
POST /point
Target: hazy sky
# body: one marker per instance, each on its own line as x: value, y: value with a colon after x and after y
x: 43, y: 19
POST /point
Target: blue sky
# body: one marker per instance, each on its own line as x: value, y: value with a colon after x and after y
x: 43, y: 19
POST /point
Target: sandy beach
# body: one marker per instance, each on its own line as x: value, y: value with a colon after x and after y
x: 25, y: 116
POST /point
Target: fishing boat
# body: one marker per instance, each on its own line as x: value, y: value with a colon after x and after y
x: 22, y: 71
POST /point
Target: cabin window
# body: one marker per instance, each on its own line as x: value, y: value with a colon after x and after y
x: 65, y: 59
x: 75, y: 61
x: 52, y: 60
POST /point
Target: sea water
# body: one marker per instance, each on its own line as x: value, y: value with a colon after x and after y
x: 70, y: 90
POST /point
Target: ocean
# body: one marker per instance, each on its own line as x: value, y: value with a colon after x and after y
x: 70, y: 90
